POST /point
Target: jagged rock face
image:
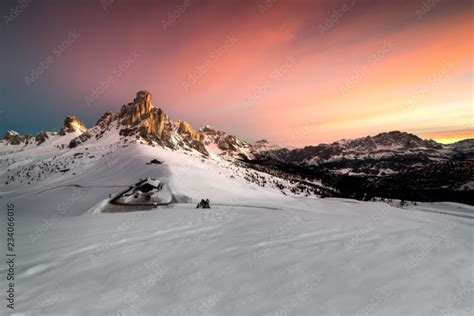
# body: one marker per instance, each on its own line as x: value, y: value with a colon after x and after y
x: 9, y: 134
x: 141, y: 120
x: 227, y: 142
x: 80, y: 139
x: 152, y: 124
x: 187, y: 130
x: 13, y: 138
x: 28, y: 139
x: 71, y: 125
x: 137, y: 111
x: 41, y: 137
x: 158, y: 124
x: 208, y: 130
x: 106, y: 119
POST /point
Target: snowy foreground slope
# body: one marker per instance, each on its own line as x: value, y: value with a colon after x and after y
x: 256, y: 252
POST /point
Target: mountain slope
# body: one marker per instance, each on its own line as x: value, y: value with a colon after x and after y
x: 126, y: 142
x: 261, y: 249
x: 349, y: 168
x: 256, y: 251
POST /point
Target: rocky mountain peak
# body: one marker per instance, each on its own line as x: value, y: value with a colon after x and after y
x: 143, y: 119
x: 143, y: 97
x: 13, y: 138
x: 142, y: 114
x: 9, y: 134
x: 393, y: 139
x: 41, y: 137
x: 226, y: 144
x: 184, y: 128
x: 140, y: 109
x: 263, y: 145
x: 72, y: 125
x: 262, y: 142
x: 144, y: 122
x: 208, y: 130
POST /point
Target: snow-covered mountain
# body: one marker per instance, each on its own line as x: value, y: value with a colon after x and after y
x: 71, y: 125
x: 385, y: 153
x: 263, y: 145
x: 148, y: 124
x: 141, y: 122
x: 308, y: 171
x: 139, y: 127
x: 221, y: 143
x: 267, y: 246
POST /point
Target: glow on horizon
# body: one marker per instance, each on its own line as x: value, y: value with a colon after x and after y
x: 378, y: 68
x: 450, y: 137
x: 448, y: 141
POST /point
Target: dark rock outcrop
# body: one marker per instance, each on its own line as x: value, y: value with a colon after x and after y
x: 41, y: 137
x: 13, y: 138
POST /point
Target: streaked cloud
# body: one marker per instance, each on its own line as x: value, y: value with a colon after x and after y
x: 404, y: 86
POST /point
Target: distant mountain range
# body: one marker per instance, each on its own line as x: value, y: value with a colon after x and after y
x: 383, y: 154
x: 389, y: 164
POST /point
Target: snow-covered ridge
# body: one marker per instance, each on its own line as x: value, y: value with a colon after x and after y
x: 141, y: 122
x: 103, y: 157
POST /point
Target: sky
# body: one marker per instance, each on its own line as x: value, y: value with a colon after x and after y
x: 294, y: 72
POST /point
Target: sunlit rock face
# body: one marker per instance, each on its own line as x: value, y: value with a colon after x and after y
x: 185, y: 129
x: 143, y: 122
x: 141, y: 113
x: 72, y: 125
x: 141, y: 118
x: 137, y: 111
